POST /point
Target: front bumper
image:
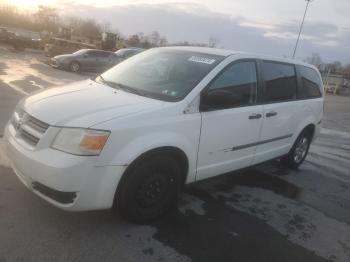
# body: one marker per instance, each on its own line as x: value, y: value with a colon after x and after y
x: 67, y: 181
x: 54, y: 63
x: 58, y: 64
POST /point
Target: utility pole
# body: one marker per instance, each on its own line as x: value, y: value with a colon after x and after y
x: 301, y: 27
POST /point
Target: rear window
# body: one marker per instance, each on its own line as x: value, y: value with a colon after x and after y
x: 310, y: 83
x: 280, y: 82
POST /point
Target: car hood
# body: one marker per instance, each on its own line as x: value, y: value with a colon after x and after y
x: 84, y: 104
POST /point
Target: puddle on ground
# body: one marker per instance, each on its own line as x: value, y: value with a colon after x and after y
x: 225, y: 234
x: 250, y: 214
x: 256, y: 178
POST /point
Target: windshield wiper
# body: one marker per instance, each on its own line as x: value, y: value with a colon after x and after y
x: 130, y: 89
x: 103, y: 81
x: 123, y: 87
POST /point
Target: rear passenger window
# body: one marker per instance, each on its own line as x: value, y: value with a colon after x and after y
x: 310, y: 83
x: 280, y: 82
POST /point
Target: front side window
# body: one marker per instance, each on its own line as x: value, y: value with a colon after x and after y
x: 280, y: 82
x: 95, y: 53
x: 310, y: 83
x: 236, y: 86
x: 163, y: 74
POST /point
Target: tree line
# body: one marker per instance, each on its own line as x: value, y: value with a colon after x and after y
x: 46, y: 19
x: 335, y: 67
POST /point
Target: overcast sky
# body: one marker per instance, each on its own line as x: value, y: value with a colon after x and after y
x: 263, y: 26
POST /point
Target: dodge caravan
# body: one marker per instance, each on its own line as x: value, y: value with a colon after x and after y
x: 133, y: 136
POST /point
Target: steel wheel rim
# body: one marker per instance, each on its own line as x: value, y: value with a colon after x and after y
x: 75, y: 67
x: 301, y: 149
x: 152, y: 190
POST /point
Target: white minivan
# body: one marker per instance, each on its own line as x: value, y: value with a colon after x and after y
x: 133, y: 136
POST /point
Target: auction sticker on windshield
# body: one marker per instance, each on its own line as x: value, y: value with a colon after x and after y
x: 203, y: 60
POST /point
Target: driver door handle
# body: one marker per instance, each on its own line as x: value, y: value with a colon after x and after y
x: 270, y: 114
x: 255, y: 116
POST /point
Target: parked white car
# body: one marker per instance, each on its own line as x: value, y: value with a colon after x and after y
x: 135, y: 135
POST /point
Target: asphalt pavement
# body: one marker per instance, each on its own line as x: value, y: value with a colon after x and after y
x: 265, y: 213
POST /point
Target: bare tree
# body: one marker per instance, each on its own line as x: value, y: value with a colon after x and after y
x: 106, y: 26
x: 334, y: 68
x: 163, y: 41
x: 213, y: 42
x: 133, y: 40
x: 88, y: 28
x: 346, y: 70
x: 155, y: 38
x: 315, y: 59
x: 47, y: 18
x: 10, y: 16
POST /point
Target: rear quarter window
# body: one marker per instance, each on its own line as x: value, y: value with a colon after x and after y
x: 310, y: 86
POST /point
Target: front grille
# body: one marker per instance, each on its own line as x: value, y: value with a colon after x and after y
x: 30, y: 139
x: 28, y: 128
x: 38, y: 125
x: 58, y: 196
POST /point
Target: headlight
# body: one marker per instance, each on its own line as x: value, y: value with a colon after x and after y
x: 80, y: 141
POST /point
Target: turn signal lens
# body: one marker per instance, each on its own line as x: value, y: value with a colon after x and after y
x: 93, y: 142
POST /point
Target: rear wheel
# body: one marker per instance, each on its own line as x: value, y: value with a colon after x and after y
x: 74, y: 66
x: 298, y: 153
x: 149, y: 189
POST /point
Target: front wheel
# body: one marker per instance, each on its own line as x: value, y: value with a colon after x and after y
x: 74, y: 66
x: 298, y: 153
x: 149, y: 189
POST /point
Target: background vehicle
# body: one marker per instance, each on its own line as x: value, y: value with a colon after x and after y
x: 125, y: 53
x: 164, y: 118
x: 18, y: 42
x: 5, y: 34
x: 59, y: 46
x: 85, y: 60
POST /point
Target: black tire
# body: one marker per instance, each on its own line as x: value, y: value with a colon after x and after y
x: 74, y: 66
x: 299, y: 151
x: 149, y: 189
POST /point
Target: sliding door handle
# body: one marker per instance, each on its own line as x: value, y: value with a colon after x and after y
x: 270, y: 114
x: 255, y: 116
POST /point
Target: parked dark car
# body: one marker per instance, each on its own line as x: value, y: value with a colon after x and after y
x: 125, y: 53
x: 5, y: 34
x: 16, y: 41
x: 86, y: 60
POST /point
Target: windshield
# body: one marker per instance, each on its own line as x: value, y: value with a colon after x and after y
x: 162, y: 73
x: 81, y: 51
x: 122, y: 52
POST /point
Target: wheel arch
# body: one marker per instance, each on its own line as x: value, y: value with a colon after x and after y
x: 307, y: 124
x: 175, y: 152
x: 288, y: 159
x: 310, y: 128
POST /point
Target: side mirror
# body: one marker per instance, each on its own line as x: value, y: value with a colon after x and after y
x: 216, y: 99
x: 85, y: 55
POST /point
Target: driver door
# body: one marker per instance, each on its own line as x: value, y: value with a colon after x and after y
x: 230, y: 131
